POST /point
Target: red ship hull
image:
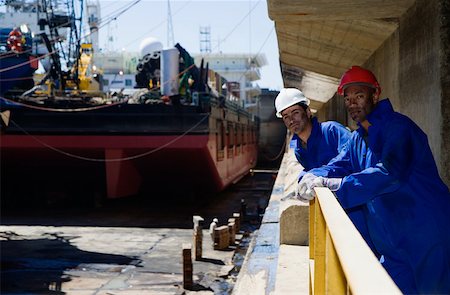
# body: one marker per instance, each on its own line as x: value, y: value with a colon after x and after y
x: 211, y: 157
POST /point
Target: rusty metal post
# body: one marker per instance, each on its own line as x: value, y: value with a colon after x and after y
x: 187, y: 266
x: 231, y: 232
x: 237, y: 220
x: 198, y: 236
x: 221, y: 237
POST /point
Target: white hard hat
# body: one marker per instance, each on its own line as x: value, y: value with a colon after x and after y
x: 289, y: 97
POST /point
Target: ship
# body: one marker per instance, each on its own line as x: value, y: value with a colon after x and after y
x: 181, y: 129
x: 17, y: 63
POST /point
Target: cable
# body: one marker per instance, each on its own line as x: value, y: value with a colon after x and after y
x: 279, y: 154
x: 109, y: 160
x: 260, y: 49
x: 158, y: 25
x: 237, y: 25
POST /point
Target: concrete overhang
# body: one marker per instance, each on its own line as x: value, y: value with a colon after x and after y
x: 325, y: 38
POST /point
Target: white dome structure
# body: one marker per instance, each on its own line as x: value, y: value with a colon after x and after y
x: 149, y: 45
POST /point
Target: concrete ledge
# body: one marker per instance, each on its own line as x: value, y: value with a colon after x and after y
x: 259, y: 273
x: 292, y: 270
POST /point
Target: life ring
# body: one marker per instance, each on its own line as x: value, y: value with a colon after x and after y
x: 15, y: 40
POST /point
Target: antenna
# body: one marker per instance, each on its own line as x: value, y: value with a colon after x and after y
x: 170, y: 37
x: 205, y: 39
x: 250, y: 27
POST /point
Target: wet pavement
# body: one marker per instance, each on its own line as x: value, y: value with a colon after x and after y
x: 128, y: 246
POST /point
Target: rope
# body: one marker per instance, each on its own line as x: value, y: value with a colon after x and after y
x: 17, y: 79
x: 279, y: 154
x: 108, y: 160
x: 27, y: 62
x: 62, y: 110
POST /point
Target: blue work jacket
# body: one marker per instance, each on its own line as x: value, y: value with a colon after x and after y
x: 326, y: 141
x: 391, y: 172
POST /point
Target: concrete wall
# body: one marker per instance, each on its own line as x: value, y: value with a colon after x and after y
x: 413, y: 68
x: 444, y: 33
x: 419, y: 73
x: 334, y: 110
x: 418, y: 91
x: 412, y: 71
x: 385, y: 64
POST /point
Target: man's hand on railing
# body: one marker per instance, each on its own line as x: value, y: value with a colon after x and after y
x: 305, y: 188
x: 332, y: 183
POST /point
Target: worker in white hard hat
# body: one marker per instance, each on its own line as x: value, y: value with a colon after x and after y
x: 314, y: 143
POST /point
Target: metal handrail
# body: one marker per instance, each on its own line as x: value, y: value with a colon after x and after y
x: 340, y: 260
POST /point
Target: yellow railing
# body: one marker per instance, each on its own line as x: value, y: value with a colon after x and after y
x: 340, y: 260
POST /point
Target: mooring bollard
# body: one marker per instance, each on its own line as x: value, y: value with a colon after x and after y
x: 231, y: 232
x: 221, y: 237
x: 198, y: 236
x: 187, y: 266
x: 237, y: 220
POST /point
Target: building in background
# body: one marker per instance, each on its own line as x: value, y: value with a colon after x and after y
x: 241, y: 71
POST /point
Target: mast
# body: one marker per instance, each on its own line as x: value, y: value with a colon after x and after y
x: 170, y: 36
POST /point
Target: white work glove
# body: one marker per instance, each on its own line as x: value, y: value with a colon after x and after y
x: 304, y: 177
x: 333, y: 183
x: 305, y: 189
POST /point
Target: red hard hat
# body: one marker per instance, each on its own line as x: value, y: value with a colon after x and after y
x: 358, y: 75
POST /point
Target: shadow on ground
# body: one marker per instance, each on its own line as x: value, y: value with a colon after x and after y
x: 38, y: 265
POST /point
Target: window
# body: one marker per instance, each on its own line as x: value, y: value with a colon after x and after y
x: 220, y: 140
x: 231, y: 138
x: 128, y: 82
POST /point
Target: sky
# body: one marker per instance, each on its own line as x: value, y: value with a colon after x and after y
x: 239, y: 26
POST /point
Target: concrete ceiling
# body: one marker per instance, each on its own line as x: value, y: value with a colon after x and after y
x: 319, y: 39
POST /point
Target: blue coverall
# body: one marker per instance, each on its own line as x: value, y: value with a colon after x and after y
x: 391, y: 172
x: 326, y: 141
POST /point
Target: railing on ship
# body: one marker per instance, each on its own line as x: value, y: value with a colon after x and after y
x: 340, y: 260
x: 222, y: 101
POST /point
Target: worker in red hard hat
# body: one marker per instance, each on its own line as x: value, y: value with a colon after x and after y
x: 389, y: 169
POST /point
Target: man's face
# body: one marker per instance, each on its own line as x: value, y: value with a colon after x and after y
x: 296, y: 118
x: 360, y: 101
